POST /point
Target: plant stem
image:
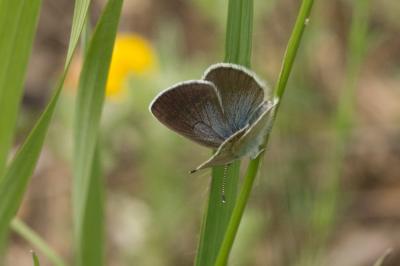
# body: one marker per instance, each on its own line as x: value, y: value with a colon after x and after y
x: 329, y: 201
x: 292, y: 47
x: 217, y: 214
x: 355, y: 55
x: 237, y: 214
x: 238, y: 46
x: 32, y: 237
x: 239, y: 31
x: 288, y: 60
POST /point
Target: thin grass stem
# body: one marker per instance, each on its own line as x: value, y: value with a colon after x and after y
x: 252, y: 170
x: 329, y: 201
x: 35, y: 240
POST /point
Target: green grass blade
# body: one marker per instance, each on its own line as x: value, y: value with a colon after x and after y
x: 239, y: 32
x: 252, y: 170
x: 292, y: 48
x: 80, y: 14
x: 217, y: 214
x: 16, y: 177
x: 92, y: 237
x: 35, y: 259
x: 356, y: 47
x: 87, y: 188
x: 35, y: 240
x: 18, y: 22
x: 329, y: 202
x: 238, y: 46
x: 14, y: 182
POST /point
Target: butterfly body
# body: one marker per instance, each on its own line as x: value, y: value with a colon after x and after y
x: 225, y: 110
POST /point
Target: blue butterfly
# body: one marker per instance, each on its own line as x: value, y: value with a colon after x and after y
x: 225, y: 110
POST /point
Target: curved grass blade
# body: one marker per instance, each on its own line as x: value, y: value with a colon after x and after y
x: 80, y: 15
x: 87, y: 187
x: 15, y: 180
x: 16, y: 177
x: 18, y: 23
x: 35, y: 240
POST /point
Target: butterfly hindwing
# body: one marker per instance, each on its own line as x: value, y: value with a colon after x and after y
x: 246, y: 142
x: 252, y: 141
x: 240, y: 90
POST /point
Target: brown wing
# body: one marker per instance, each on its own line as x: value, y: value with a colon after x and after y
x: 193, y: 110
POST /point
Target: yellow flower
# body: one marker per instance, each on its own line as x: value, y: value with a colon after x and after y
x: 132, y: 55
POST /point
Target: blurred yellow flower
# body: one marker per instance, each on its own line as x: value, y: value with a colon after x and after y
x: 132, y: 54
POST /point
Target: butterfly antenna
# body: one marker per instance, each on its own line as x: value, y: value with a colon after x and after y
x: 223, y: 183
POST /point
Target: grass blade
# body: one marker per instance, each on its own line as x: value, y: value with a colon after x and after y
x: 34, y: 239
x: 356, y: 47
x: 80, y: 15
x: 18, y: 23
x: 35, y: 259
x: 217, y: 214
x: 329, y: 201
x: 238, y: 46
x: 92, y: 234
x: 252, y: 170
x: 239, y: 32
x: 87, y: 188
x: 16, y: 177
x: 382, y: 258
x: 15, y: 180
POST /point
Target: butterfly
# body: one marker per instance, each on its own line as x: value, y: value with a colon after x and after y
x: 225, y: 110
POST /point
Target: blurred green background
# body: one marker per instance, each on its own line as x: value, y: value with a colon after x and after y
x: 154, y: 207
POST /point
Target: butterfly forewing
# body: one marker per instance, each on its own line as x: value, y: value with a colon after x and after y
x: 193, y: 110
x: 240, y: 90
